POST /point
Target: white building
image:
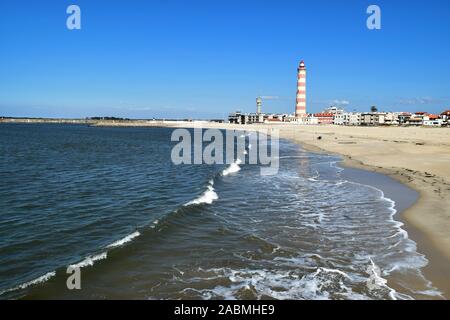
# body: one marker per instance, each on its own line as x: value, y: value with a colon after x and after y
x: 342, y: 119
x: 391, y: 118
x: 373, y: 118
x: 311, y: 120
x: 333, y: 110
x: 255, y: 118
x: 432, y: 120
x: 354, y: 119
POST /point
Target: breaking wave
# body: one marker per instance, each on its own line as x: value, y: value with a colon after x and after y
x: 321, y: 284
x: 208, y: 197
x: 124, y: 240
x: 89, y: 261
x: 25, y: 285
x: 232, y: 168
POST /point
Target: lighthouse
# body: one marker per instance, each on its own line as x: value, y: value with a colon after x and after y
x: 258, y: 105
x: 300, y: 107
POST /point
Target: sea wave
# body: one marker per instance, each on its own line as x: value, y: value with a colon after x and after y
x: 232, y: 168
x: 376, y: 282
x: 38, y: 280
x: 207, y: 197
x: 124, y: 240
x: 323, y: 284
x: 89, y: 261
x: 412, y: 264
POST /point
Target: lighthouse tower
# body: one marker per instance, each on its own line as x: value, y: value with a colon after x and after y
x: 258, y: 105
x: 300, y: 107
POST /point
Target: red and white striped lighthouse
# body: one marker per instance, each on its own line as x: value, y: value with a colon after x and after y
x: 300, y: 107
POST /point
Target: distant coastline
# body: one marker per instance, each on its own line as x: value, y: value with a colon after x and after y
x: 104, y: 121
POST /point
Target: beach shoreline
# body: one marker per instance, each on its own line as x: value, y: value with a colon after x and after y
x: 438, y: 268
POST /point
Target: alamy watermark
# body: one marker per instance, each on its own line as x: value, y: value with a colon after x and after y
x: 74, y: 280
x: 259, y: 147
x: 374, y: 20
x: 73, y: 21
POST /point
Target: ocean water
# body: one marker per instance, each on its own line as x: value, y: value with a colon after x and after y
x: 110, y: 201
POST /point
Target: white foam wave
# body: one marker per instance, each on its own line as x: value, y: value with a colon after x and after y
x: 376, y: 281
x: 392, y: 261
x: 154, y: 224
x: 124, y: 240
x: 276, y: 284
x: 38, y: 280
x: 327, y: 270
x: 89, y: 261
x: 232, y: 168
x: 207, y: 197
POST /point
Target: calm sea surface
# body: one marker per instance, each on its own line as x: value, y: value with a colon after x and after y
x: 110, y: 201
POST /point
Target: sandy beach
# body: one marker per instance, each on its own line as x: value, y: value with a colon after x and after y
x: 415, y: 156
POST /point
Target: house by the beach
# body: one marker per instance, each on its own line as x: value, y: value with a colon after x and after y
x: 373, y: 118
x: 416, y: 119
x: 445, y: 116
x: 324, y: 118
x: 404, y: 117
x: 432, y: 120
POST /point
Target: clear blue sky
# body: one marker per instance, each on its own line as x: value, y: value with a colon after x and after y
x: 204, y: 59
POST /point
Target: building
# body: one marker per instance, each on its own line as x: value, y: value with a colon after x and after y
x: 300, y: 107
x: 432, y: 120
x: 246, y: 118
x: 342, y: 119
x: 415, y: 122
x: 445, y: 116
x: 372, y: 118
x: 237, y: 118
x: 391, y: 118
x: 354, y: 119
x: 324, y: 118
x: 403, y: 118
x: 271, y: 118
x: 416, y: 119
x: 311, y: 120
x: 255, y: 118
x: 333, y: 110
